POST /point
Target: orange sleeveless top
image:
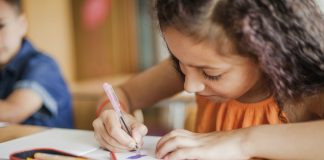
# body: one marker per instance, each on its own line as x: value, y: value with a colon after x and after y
x: 233, y: 114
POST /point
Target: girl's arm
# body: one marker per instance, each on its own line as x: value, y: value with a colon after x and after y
x: 288, y: 141
x: 149, y: 87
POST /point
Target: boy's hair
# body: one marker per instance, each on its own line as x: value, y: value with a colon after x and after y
x: 16, y: 4
x: 286, y: 37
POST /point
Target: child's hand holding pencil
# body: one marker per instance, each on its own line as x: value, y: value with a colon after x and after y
x: 115, y: 130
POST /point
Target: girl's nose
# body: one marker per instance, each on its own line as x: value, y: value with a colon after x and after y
x: 193, y: 84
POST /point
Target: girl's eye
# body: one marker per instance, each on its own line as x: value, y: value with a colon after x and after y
x: 1, y: 26
x: 213, y: 78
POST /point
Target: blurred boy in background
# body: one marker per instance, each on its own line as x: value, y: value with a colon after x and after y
x: 32, y: 89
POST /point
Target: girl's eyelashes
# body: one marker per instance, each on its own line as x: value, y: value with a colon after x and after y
x: 209, y: 77
x: 179, y: 67
x: 206, y: 76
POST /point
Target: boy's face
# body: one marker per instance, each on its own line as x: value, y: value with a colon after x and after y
x: 13, y: 27
x: 212, y: 75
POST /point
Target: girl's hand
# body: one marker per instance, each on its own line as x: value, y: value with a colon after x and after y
x: 183, y: 144
x: 111, y: 135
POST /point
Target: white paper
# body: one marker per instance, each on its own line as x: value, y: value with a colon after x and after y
x: 3, y: 124
x: 148, y: 150
x: 78, y: 142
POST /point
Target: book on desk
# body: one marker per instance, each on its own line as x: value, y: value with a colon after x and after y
x: 73, y: 141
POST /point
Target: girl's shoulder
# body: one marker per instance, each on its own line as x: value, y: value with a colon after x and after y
x: 307, y: 109
x: 315, y: 104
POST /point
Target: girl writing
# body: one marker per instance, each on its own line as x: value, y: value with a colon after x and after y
x: 249, y: 63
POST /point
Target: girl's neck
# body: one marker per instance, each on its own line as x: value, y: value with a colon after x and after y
x: 259, y: 92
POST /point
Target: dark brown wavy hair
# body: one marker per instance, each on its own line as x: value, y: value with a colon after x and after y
x: 286, y: 37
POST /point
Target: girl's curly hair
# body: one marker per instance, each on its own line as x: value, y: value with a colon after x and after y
x: 286, y: 37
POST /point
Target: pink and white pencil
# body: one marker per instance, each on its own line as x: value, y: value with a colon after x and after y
x: 116, y: 105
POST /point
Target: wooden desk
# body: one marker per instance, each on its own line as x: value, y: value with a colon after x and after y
x: 14, y: 131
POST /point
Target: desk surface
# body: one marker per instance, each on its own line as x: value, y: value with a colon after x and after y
x: 13, y: 131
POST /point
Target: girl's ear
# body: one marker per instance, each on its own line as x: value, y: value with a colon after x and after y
x: 23, y: 24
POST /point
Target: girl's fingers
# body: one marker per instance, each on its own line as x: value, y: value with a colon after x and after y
x: 100, y: 133
x: 184, y: 153
x: 172, y: 134
x: 106, y: 145
x: 112, y: 141
x: 138, y: 132
x: 113, y: 128
x: 175, y: 143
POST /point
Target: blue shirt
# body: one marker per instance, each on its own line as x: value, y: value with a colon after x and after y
x: 31, y: 69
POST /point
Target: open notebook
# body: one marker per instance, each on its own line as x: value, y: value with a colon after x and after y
x: 78, y: 142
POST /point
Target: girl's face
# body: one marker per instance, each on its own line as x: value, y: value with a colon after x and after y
x: 212, y: 75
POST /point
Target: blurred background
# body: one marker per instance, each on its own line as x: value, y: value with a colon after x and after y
x: 105, y: 40
x: 95, y: 41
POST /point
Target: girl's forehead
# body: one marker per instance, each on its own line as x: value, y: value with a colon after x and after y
x: 204, y: 53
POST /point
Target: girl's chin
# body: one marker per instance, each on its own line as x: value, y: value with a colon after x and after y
x: 216, y: 98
